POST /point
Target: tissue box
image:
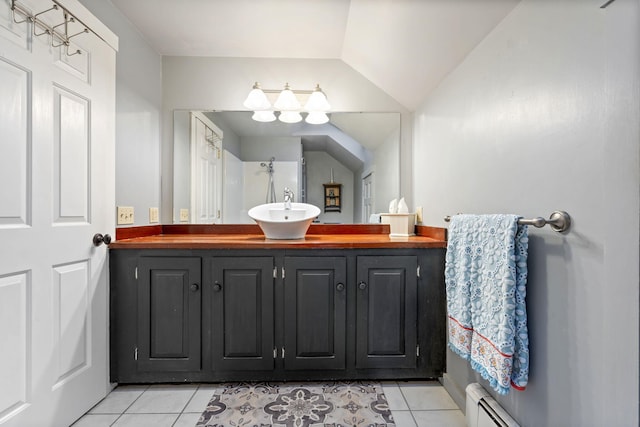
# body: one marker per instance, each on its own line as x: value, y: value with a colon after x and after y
x: 401, y: 224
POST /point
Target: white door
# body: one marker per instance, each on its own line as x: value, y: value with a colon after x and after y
x: 206, y: 187
x: 367, y: 197
x: 56, y: 191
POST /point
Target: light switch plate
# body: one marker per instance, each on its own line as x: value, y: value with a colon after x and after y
x: 125, y: 215
x: 154, y: 215
x: 419, y: 214
x: 184, y: 215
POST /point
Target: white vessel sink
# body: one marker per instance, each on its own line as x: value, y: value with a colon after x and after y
x: 277, y: 222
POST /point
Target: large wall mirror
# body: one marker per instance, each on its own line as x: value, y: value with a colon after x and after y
x: 225, y: 163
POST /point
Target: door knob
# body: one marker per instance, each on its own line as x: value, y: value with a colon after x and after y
x: 217, y: 287
x: 362, y: 286
x: 340, y: 287
x: 99, y: 239
x: 194, y: 287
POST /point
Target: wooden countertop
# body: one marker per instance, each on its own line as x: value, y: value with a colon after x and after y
x: 250, y: 237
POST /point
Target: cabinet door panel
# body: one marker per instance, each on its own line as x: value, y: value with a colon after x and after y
x: 169, y: 314
x: 315, y: 312
x: 241, y: 301
x: 386, y: 335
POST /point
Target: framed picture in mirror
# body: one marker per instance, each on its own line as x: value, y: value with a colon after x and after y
x: 332, y: 195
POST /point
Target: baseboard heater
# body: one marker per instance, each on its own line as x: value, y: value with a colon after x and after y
x: 484, y: 411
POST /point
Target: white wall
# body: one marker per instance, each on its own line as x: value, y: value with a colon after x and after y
x: 263, y: 148
x: 138, y: 114
x: 181, y: 163
x: 319, y: 165
x: 387, y: 159
x: 544, y: 115
x: 205, y: 83
x: 256, y: 184
x: 233, y: 211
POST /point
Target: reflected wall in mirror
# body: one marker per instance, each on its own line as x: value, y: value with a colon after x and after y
x: 225, y: 163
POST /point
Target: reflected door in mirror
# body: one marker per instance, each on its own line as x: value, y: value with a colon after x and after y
x: 206, y: 176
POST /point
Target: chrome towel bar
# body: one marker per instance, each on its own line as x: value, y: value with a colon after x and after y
x: 559, y: 221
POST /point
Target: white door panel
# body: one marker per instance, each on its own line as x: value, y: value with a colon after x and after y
x: 367, y: 197
x: 206, y: 200
x: 56, y: 191
x: 14, y: 163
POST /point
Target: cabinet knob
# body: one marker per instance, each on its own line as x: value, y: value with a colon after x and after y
x: 194, y: 287
x: 340, y: 287
x: 217, y: 287
x: 362, y: 286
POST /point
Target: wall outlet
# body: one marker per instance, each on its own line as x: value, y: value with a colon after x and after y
x: 184, y: 215
x: 154, y: 215
x: 419, y: 214
x: 125, y: 215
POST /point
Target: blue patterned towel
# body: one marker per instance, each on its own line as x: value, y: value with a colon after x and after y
x: 486, y: 277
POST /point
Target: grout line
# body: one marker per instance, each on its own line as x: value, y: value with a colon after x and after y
x: 414, y: 418
x: 153, y: 413
x: 135, y: 400
x: 131, y: 404
x: 405, y: 400
x: 394, y: 413
x: 116, y: 420
x: 186, y: 404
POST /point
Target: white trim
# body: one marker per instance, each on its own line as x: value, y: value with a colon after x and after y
x: 84, y: 15
x: 207, y: 121
x: 456, y: 393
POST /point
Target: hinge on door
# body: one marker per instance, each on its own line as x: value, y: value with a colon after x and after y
x: 283, y: 272
x: 417, y: 350
x: 275, y: 353
x: 135, y: 354
x: 135, y: 273
x: 283, y: 352
x: 217, y: 152
x: 275, y: 272
x: 218, y: 214
x: 418, y: 271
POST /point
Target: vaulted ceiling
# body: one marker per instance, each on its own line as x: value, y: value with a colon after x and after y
x: 405, y: 47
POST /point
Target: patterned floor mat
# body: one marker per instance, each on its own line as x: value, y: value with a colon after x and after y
x: 331, y: 404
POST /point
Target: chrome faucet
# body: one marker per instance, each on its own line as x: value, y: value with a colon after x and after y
x: 288, y: 198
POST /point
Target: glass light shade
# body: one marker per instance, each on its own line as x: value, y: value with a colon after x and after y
x: 257, y: 100
x: 317, y: 101
x: 287, y: 100
x: 263, y: 116
x: 290, y: 117
x: 316, y: 118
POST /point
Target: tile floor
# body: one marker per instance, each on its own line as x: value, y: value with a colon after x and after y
x: 413, y: 404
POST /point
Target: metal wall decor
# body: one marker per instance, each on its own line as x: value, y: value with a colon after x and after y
x: 61, y: 34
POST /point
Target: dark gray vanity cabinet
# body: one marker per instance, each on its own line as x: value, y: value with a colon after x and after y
x: 159, y: 321
x: 387, y: 312
x: 206, y: 315
x: 315, y: 313
x: 168, y: 315
x: 238, y: 313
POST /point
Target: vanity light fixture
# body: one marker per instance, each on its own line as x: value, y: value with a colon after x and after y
x: 290, y: 117
x: 317, y: 118
x: 263, y: 116
x: 288, y: 105
x: 257, y: 100
x: 287, y: 100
